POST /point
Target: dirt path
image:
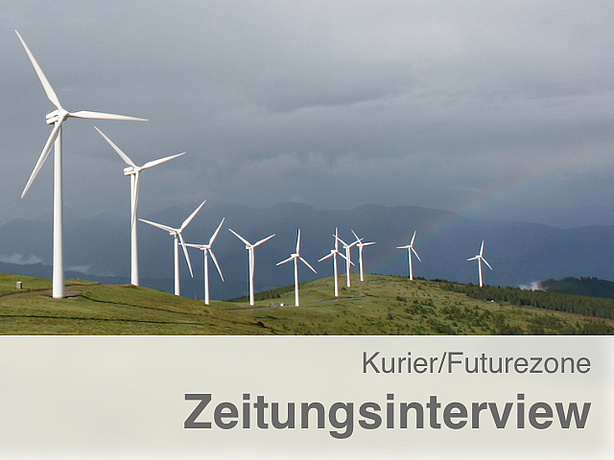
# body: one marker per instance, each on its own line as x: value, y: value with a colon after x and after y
x: 70, y: 292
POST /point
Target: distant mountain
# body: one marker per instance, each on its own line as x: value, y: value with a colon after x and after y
x: 519, y: 252
x: 592, y: 287
x: 562, y: 218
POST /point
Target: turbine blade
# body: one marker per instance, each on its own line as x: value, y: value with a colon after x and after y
x: 370, y: 243
x: 264, y: 240
x: 247, y: 243
x: 330, y: 254
x: 191, y: 216
x: 284, y: 261
x: 356, y: 236
x: 43, y: 156
x: 219, y: 270
x: 407, y: 246
x: 482, y: 248
x: 185, y: 253
x: 416, y: 254
x: 343, y: 257
x: 307, y: 263
x: 162, y: 226
x: 124, y: 157
x: 103, y: 116
x: 343, y: 243
x: 298, y: 241
x: 41, y: 76
x: 486, y: 262
x: 214, y: 236
x: 473, y: 258
x: 151, y: 164
x: 413, y: 238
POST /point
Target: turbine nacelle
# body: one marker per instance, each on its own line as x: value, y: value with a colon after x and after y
x: 58, y: 115
x: 344, y: 244
x: 333, y: 252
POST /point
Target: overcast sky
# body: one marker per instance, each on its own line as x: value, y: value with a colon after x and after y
x: 461, y: 105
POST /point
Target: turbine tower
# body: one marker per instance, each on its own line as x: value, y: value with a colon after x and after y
x: 480, y: 258
x: 206, y: 249
x: 334, y: 253
x: 348, y: 258
x: 250, y: 250
x: 56, y: 118
x: 176, y: 233
x: 296, y: 257
x: 361, y: 245
x: 410, y: 250
x: 134, y: 172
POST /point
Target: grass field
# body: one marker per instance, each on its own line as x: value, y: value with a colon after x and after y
x: 379, y: 305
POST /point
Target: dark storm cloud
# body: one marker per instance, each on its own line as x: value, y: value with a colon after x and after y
x: 334, y: 104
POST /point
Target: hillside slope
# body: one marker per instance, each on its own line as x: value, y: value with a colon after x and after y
x: 379, y: 305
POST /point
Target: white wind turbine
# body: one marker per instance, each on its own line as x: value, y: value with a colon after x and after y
x: 348, y: 258
x: 296, y: 257
x: 480, y: 258
x: 334, y: 253
x: 56, y: 118
x: 206, y: 249
x: 410, y: 250
x: 361, y: 246
x: 250, y: 250
x: 134, y: 172
x: 176, y: 233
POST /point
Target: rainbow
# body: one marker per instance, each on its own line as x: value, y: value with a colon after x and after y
x: 514, y: 187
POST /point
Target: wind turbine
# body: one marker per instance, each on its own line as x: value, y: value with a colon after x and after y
x: 334, y: 253
x: 250, y: 249
x: 410, y: 249
x: 296, y: 257
x: 178, y: 239
x: 206, y: 249
x: 348, y: 258
x: 361, y: 246
x: 56, y: 118
x: 480, y: 258
x: 134, y: 172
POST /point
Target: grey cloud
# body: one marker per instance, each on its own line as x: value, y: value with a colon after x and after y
x: 415, y: 103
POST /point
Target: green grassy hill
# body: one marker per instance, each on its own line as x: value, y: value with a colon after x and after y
x: 592, y: 287
x: 380, y: 305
